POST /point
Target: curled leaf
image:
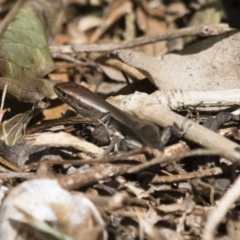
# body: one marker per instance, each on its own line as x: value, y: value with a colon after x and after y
x: 23, y: 46
x: 13, y: 130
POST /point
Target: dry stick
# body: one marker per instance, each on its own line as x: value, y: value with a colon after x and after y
x: 187, y: 176
x: 136, y: 155
x: 78, y: 62
x: 167, y: 159
x: 9, y: 165
x: 200, y: 182
x: 4, y: 95
x: 196, y: 132
x: 92, y: 175
x: 5, y: 6
x: 221, y: 209
x: 2, y: 102
x: 202, y: 30
x: 11, y: 14
x: 152, y: 111
x: 16, y: 175
x: 133, y: 155
x: 104, y: 171
x: 203, y: 100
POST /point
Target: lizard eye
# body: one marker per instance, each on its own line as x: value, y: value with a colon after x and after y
x: 64, y: 94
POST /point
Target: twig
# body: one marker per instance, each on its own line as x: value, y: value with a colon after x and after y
x: 5, y: 5
x: 148, y: 108
x: 127, y: 156
x: 87, y: 63
x: 215, y: 171
x: 167, y: 159
x: 16, y: 175
x: 9, y: 165
x: 220, y: 211
x: 91, y: 175
x: 103, y: 171
x: 136, y: 155
x: 3, y: 100
x: 203, y: 30
x: 203, y: 100
x: 187, y: 176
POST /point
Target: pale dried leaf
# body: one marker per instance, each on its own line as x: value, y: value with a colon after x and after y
x: 115, y: 10
x: 66, y: 211
x: 89, y: 21
x: 212, y: 64
x: 13, y: 130
x: 149, y: 25
x: 63, y: 139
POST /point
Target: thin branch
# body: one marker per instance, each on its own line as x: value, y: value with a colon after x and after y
x: 8, y: 164
x: 203, y: 100
x: 68, y: 58
x: 3, y: 100
x: 221, y: 210
x: 187, y: 176
x: 148, y: 108
x: 167, y: 159
x: 203, y: 30
x: 16, y: 175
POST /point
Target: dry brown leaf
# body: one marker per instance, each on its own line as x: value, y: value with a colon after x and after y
x: 212, y: 64
x: 149, y: 25
x: 113, y: 12
x: 153, y: 10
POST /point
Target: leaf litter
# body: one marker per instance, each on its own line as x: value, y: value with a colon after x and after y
x: 189, y: 191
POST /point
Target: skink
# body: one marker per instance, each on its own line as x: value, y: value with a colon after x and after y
x: 91, y: 105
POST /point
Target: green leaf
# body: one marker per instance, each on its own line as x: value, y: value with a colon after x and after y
x: 24, y: 50
x: 24, y: 59
x: 29, y: 89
